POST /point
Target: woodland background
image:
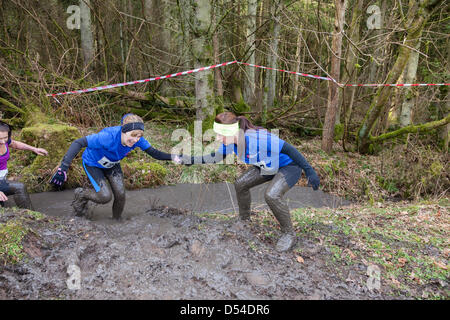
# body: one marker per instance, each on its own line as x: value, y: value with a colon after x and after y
x: 56, y: 46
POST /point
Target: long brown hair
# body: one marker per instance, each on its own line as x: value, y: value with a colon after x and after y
x: 230, y: 117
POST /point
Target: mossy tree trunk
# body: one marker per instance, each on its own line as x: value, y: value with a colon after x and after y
x: 418, y: 15
x: 351, y: 70
x: 420, y: 128
x: 409, y: 94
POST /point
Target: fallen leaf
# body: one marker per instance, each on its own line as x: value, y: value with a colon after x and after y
x: 300, y: 259
x: 440, y: 264
x: 350, y: 253
x: 402, y: 261
x: 395, y: 281
x: 446, y: 252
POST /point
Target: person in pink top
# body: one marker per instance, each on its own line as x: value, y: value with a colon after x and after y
x: 8, y: 187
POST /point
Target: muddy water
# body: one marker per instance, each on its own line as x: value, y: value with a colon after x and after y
x: 168, y: 253
x: 198, y: 198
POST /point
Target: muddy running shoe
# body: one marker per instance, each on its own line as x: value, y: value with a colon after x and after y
x: 286, y: 242
x: 79, y: 204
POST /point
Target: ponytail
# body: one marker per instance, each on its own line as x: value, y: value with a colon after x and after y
x: 246, y: 124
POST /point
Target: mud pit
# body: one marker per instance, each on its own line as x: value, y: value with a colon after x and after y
x: 159, y: 252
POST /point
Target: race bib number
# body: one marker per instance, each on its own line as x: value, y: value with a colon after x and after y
x: 106, y: 163
x: 3, y: 174
x: 265, y: 169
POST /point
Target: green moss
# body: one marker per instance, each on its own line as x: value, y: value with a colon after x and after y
x: 436, y: 168
x: 56, y: 139
x: 338, y: 132
x: 11, y: 234
x: 241, y: 106
x: 142, y: 174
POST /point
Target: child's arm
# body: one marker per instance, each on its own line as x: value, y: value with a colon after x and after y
x: 23, y: 146
x: 3, y: 197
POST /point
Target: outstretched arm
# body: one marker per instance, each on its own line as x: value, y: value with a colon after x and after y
x: 74, y: 148
x: 60, y: 175
x: 214, y: 157
x: 23, y: 146
x: 296, y: 156
x: 159, y: 155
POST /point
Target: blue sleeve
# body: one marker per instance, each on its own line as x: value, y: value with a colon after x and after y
x: 143, y: 144
x: 297, y: 157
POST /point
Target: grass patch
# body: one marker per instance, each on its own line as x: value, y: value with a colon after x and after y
x: 11, y: 235
x: 15, y: 225
x: 409, y: 242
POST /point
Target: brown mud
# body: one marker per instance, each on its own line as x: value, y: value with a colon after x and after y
x: 166, y: 250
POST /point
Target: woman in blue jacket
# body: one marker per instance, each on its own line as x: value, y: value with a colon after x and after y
x: 101, y: 162
x: 272, y: 159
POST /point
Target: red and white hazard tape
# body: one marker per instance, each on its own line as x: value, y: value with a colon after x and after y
x: 292, y: 72
x: 110, y: 86
x: 349, y: 85
x: 398, y: 85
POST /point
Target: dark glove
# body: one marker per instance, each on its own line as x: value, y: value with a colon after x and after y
x: 59, y: 177
x: 313, y: 179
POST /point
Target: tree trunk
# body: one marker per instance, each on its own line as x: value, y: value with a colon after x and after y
x: 417, y: 17
x: 420, y: 128
x: 87, y: 39
x: 250, y: 83
x: 444, y: 132
x: 408, y: 103
x: 216, y: 47
x: 202, y: 54
x: 373, y: 68
x: 297, y: 66
x: 271, y: 75
x: 352, y: 58
x: 333, y: 90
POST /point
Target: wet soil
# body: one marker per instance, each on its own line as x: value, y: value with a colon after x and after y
x: 161, y: 250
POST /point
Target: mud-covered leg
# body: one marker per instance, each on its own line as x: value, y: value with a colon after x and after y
x: 115, y: 178
x: 21, y: 196
x: 82, y: 196
x: 243, y: 184
x: 274, y: 198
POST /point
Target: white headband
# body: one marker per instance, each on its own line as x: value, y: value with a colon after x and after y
x: 226, y: 130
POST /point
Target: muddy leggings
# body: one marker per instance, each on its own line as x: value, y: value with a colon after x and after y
x: 102, y: 192
x: 280, y: 183
x: 19, y: 190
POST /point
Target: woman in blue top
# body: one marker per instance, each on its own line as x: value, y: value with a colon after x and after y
x: 101, y: 162
x: 272, y: 159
